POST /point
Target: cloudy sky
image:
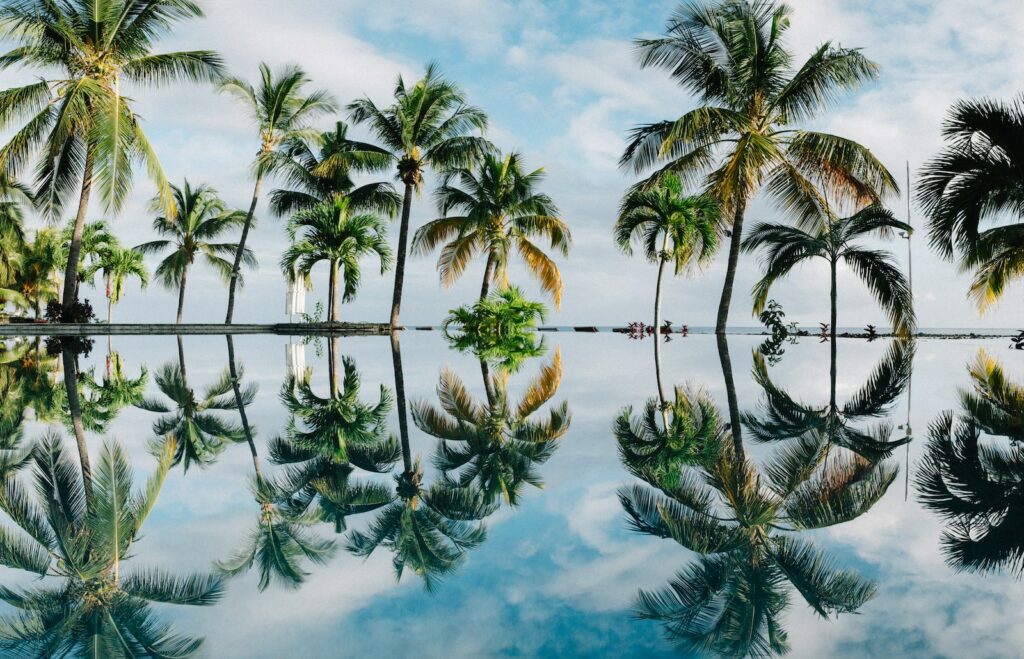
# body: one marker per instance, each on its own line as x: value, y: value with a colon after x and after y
x: 561, y: 84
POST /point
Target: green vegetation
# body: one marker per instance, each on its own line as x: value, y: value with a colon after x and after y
x: 500, y: 328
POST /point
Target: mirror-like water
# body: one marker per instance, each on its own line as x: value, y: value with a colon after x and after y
x: 267, y: 498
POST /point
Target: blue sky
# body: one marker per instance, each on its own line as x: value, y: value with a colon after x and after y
x: 562, y: 86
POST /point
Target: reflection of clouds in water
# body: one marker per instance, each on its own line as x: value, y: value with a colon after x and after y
x: 557, y: 575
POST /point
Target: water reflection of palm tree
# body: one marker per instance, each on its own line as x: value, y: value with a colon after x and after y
x: 428, y: 528
x: 280, y: 540
x: 781, y: 417
x: 495, y: 445
x: 98, y: 607
x: 327, y: 439
x: 972, y: 473
x: 745, y: 523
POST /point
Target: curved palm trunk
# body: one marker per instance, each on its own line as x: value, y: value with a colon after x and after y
x: 730, y: 392
x: 181, y: 361
x: 488, y: 276
x: 657, y: 331
x: 181, y: 294
x: 403, y: 421
x: 236, y: 386
x: 485, y: 371
x: 730, y: 272
x: 75, y: 249
x: 236, y: 267
x: 333, y: 312
x: 75, y: 407
x: 403, y: 240
x: 832, y: 369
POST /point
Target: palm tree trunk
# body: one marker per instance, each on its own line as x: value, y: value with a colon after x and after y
x: 75, y: 249
x: 333, y: 303
x: 332, y: 363
x: 832, y: 368
x: 181, y: 294
x: 403, y: 421
x: 236, y: 386
x: 485, y: 371
x: 403, y: 240
x: 730, y: 393
x: 110, y: 309
x: 181, y: 360
x: 488, y: 276
x: 730, y: 272
x: 236, y: 267
x: 75, y: 407
x: 662, y: 259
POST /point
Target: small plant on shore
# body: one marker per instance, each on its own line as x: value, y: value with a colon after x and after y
x: 1017, y: 342
x: 872, y: 332
x: 773, y: 318
x: 500, y: 329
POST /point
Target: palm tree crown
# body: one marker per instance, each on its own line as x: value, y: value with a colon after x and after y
x: 498, y: 209
x: 733, y: 56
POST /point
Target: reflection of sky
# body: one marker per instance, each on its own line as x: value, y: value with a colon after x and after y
x: 558, y: 575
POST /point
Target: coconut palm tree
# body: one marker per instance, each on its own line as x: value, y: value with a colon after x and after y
x: 14, y: 197
x: 972, y: 474
x: 282, y: 112
x: 90, y: 603
x: 200, y: 435
x: 117, y: 265
x: 836, y: 240
x: 280, y: 539
x: 970, y: 188
x: 744, y: 524
x: 745, y: 135
x: 330, y: 232
x: 82, y: 127
x: 327, y: 439
x: 96, y: 242
x: 37, y: 280
x: 690, y: 229
x: 199, y: 218
x: 494, y: 445
x: 319, y: 170
x: 427, y: 126
x: 498, y: 210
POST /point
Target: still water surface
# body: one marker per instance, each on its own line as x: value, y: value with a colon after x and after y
x: 526, y: 531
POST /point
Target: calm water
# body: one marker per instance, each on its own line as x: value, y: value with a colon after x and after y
x: 553, y: 570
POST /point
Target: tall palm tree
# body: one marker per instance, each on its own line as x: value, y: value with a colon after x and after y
x: 330, y: 232
x: 89, y: 603
x: 96, y: 242
x: 117, y: 265
x: 972, y: 474
x: 280, y: 539
x: 835, y: 241
x: 745, y: 133
x: 428, y: 125
x: 199, y: 217
x: 319, y: 170
x: 282, y: 112
x: 689, y: 228
x: 37, y: 280
x: 494, y: 444
x: 970, y: 188
x: 83, y: 128
x: 744, y: 524
x: 499, y: 209
x: 327, y: 439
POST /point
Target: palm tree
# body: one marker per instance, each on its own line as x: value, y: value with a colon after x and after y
x: 972, y: 474
x: 84, y: 129
x: 199, y: 217
x: 98, y: 607
x: 426, y: 126
x: 689, y: 228
x: 745, y: 133
x: 320, y: 170
x: 329, y: 232
x: 280, y: 540
x: 835, y: 241
x: 744, y: 526
x: 282, y: 113
x: 970, y: 188
x: 14, y: 197
x: 96, y: 242
x: 327, y: 439
x: 495, y: 445
x: 499, y: 209
x: 36, y: 279
x: 117, y: 265
x: 198, y: 433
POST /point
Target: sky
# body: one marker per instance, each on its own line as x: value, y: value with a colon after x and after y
x: 561, y: 84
